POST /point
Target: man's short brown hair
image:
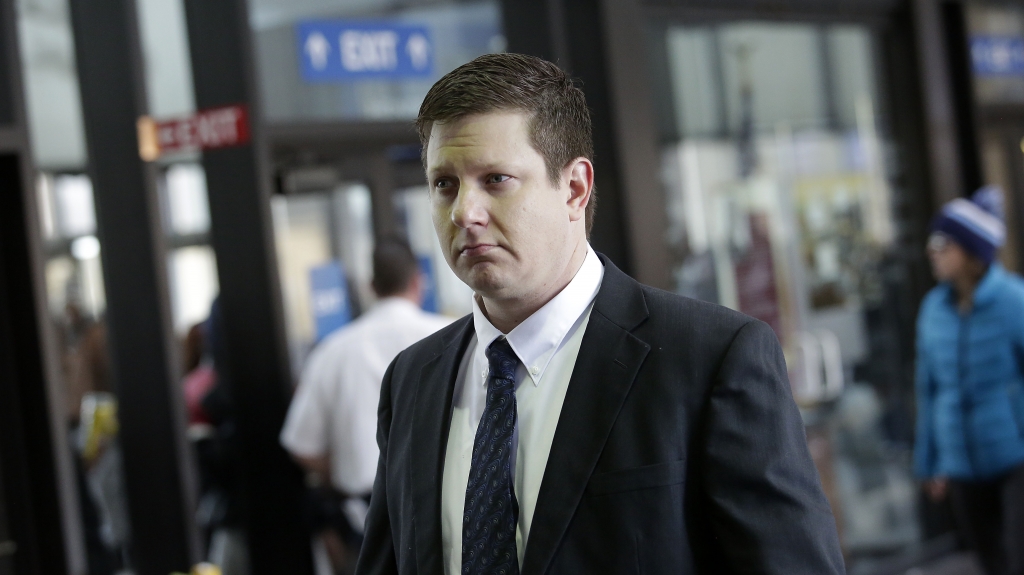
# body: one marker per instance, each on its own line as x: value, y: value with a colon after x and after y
x: 559, y: 124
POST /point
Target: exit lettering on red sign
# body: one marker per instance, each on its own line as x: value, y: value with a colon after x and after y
x: 207, y: 130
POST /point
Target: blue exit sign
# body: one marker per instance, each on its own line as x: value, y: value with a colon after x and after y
x: 329, y: 298
x: 352, y: 50
x: 997, y: 55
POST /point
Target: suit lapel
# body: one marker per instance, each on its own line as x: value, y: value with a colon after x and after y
x: 609, y: 359
x: 431, y: 422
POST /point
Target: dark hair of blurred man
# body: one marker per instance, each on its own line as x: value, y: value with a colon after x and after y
x: 577, y: 421
x: 395, y: 268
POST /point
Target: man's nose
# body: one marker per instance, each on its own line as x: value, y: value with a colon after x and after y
x: 470, y: 208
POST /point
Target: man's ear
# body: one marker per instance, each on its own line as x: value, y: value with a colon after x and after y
x: 581, y: 183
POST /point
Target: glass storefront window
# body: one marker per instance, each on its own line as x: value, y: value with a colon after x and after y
x: 193, y: 279
x: 187, y: 210
x: 777, y: 168
x: 51, y: 84
x: 167, y: 64
x: 73, y: 205
x: 192, y: 264
x: 73, y: 271
x: 458, y: 32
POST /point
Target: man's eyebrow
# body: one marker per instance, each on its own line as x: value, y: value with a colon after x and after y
x: 439, y: 166
x: 485, y: 167
x: 438, y: 171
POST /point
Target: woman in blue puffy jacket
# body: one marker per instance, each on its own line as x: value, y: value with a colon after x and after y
x: 970, y: 382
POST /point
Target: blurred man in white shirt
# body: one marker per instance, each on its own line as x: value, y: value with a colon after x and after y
x: 331, y: 426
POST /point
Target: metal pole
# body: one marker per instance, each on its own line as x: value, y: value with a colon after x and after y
x: 945, y: 167
x: 157, y: 459
x: 597, y: 42
x: 40, y: 530
x: 257, y: 372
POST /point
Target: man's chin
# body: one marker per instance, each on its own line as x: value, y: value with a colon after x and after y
x: 486, y: 282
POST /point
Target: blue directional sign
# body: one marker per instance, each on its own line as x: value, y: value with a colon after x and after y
x: 329, y: 298
x: 997, y: 55
x: 429, y: 284
x: 352, y: 50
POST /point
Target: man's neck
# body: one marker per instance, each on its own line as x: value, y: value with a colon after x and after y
x: 505, y: 315
x: 411, y: 295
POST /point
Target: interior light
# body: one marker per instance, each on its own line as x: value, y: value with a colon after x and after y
x: 85, y: 248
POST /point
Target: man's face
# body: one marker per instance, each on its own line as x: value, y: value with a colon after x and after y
x: 949, y: 261
x: 505, y: 229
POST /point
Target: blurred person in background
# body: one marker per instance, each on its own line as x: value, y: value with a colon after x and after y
x: 85, y: 361
x: 970, y: 382
x: 199, y: 380
x: 84, y: 366
x: 92, y: 416
x: 331, y: 427
x: 192, y: 348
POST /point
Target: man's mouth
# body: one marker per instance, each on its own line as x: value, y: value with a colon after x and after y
x: 476, y: 250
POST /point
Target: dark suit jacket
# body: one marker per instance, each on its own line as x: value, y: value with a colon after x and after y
x: 679, y: 450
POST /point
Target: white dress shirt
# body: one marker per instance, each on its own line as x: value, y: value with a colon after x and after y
x: 334, y: 411
x: 547, y: 344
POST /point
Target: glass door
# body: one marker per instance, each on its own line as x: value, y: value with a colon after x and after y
x: 778, y: 165
x: 324, y: 239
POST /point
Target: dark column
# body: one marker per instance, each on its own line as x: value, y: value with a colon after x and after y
x: 603, y: 44
x: 382, y: 190
x: 961, y: 77
x: 946, y: 171
x: 918, y: 199
x: 157, y: 460
x: 38, y: 511
x: 634, y: 134
x: 535, y: 27
x: 27, y: 466
x: 257, y: 370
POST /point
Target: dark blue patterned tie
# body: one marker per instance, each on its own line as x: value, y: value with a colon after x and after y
x: 492, y: 512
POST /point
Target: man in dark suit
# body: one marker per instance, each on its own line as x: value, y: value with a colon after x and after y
x: 578, y: 421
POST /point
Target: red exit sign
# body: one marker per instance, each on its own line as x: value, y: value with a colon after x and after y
x: 206, y: 130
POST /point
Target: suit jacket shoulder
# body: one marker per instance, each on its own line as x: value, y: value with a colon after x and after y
x: 708, y: 420
x: 676, y: 315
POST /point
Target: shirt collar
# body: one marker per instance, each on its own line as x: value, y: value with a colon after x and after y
x: 536, y: 340
x: 395, y: 302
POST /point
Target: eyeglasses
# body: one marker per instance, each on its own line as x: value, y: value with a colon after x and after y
x: 938, y: 242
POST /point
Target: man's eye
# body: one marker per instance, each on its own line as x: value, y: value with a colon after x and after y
x: 497, y: 178
x: 442, y: 184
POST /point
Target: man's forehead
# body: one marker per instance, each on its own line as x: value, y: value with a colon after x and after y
x: 477, y: 135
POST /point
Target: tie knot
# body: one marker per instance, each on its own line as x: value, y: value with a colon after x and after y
x: 501, y: 359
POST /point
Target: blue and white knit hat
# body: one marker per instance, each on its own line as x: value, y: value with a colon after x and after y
x: 976, y: 224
